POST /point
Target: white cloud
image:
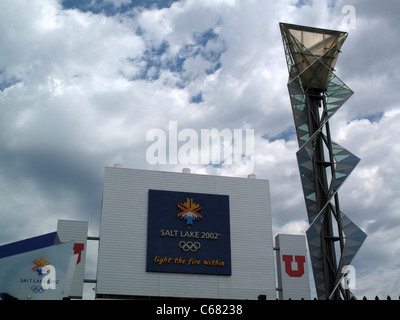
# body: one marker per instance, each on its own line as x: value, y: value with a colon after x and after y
x: 293, y: 227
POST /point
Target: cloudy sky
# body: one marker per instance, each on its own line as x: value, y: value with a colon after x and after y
x: 82, y: 83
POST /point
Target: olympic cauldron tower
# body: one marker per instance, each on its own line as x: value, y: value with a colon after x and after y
x: 316, y: 93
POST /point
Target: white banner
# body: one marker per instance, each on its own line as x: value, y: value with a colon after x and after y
x: 38, y: 274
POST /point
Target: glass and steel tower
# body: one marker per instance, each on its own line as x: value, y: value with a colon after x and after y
x: 316, y: 93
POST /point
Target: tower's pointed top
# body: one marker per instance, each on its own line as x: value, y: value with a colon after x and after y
x: 306, y: 45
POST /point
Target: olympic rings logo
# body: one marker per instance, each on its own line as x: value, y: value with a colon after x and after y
x: 186, y: 246
x: 38, y: 289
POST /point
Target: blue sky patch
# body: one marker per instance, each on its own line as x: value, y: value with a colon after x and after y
x: 284, y: 135
x: 373, y: 117
x: 198, y: 98
x: 108, y: 7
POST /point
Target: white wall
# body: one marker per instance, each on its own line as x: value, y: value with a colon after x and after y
x: 77, y: 231
x: 123, y: 237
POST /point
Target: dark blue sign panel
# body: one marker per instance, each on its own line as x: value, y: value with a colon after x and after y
x: 188, y: 233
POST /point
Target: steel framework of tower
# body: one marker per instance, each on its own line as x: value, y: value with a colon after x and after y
x: 316, y: 93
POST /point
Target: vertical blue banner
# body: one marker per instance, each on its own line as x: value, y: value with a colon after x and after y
x: 188, y: 233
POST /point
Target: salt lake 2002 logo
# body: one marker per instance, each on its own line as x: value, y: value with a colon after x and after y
x: 189, y: 211
x: 40, y: 264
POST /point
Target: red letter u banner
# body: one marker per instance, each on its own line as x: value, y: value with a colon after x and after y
x: 300, y: 260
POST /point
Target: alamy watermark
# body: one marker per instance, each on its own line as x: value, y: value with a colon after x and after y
x: 349, y: 277
x: 347, y: 280
x: 349, y: 20
x: 49, y: 280
x: 226, y: 147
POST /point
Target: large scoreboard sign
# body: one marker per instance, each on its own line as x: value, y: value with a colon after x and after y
x: 188, y: 233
